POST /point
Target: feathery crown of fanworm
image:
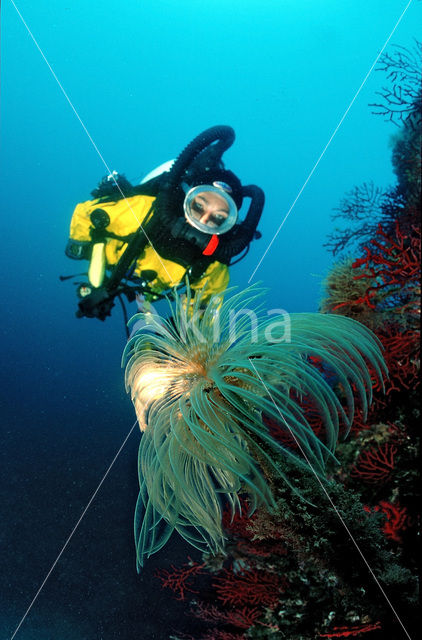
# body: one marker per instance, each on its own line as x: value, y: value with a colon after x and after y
x: 200, y: 383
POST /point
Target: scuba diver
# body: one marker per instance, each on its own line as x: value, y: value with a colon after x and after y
x: 181, y: 221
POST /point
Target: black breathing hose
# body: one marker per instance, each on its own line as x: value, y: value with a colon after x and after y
x: 223, y: 134
x: 244, y: 233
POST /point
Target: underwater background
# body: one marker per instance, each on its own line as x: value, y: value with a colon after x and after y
x: 145, y: 78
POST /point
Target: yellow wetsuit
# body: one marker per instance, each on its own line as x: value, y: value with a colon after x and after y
x: 125, y: 217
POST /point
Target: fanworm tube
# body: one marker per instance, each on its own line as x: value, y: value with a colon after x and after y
x: 201, y: 382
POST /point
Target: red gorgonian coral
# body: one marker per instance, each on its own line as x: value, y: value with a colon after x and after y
x: 392, y: 264
x: 248, y: 587
x: 177, y: 579
x: 348, y: 632
x: 397, y: 519
x: 375, y: 466
x: 242, y: 618
x: 401, y: 357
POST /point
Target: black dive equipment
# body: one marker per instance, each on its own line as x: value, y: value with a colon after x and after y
x: 200, y: 163
x: 164, y: 226
x: 98, y: 302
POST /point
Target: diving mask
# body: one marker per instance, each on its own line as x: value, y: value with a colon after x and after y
x: 210, y: 208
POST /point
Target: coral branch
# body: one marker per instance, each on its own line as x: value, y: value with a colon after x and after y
x: 375, y: 466
x: 242, y: 618
x: 401, y: 96
x: 249, y: 587
x: 392, y: 261
x: 177, y: 578
x: 348, y: 632
x: 396, y: 519
x: 401, y: 357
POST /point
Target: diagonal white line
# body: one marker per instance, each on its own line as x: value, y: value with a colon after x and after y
x: 329, y: 142
x: 73, y: 531
x: 89, y: 135
x: 269, y: 246
x: 164, y: 267
x: 330, y: 500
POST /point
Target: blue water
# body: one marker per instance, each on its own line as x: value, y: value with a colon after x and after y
x: 145, y: 77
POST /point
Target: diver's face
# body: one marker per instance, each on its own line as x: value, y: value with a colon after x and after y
x: 209, y: 208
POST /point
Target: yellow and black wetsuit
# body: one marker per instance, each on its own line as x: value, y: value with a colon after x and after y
x: 109, y: 230
x: 125, y: 218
